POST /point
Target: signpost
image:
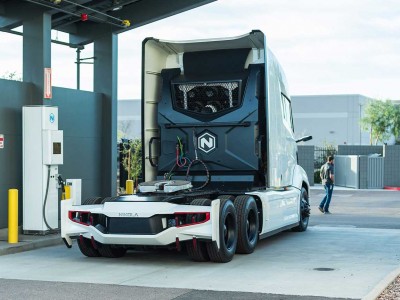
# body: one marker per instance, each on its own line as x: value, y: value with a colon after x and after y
x: 47, y: 84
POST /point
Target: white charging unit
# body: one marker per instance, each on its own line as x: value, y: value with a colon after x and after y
x: 76, y: 190
x: 42, y: 145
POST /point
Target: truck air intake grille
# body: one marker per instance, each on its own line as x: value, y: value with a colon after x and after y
x: 207, y: 98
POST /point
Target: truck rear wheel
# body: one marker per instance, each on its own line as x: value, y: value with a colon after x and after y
x: 102, y: 218
x: 86, y: 247
x: 247, y: 219
x: 111, y: 251
x: 84, y: 244
x: 92, y: 200
x: 197, y: 250
x: 304, y: 212
x: 228, y: 235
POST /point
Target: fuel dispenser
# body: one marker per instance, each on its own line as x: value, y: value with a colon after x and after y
x: 42, y: 154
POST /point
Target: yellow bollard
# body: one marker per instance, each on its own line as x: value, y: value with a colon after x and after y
x: 67, y: 192
x: 12, y: 216
x: 129, y: 187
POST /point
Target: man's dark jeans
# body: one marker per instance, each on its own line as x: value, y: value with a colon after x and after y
x: 327, y: 199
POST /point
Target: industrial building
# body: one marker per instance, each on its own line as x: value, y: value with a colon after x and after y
x: 330, y: 119
x: 129, y: 121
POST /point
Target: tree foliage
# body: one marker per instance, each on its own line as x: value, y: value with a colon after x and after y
x: 12, y: 76
x: 132, y: 158
x: 382, y: 118
x: 396, y: 123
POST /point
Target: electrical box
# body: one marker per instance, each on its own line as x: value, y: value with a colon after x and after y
x: 52, y: 147
x: 42, y: 153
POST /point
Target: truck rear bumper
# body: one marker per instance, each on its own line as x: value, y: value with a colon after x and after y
x: 169, y: 234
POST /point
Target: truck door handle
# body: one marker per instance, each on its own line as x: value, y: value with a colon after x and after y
x: 152, y: 163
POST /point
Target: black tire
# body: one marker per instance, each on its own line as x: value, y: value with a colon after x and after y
x: 92, y: 200
x: 201, y: 202
x: 108, y: 199
x: 304, y: 212
x: 86, y: 247
x: 199, y: 252
x: 248, y: 224
x: 228, y: 234
x: 226, y: 197
x: 111, y: 251
x: 84, y: 244
x: 102, y: 218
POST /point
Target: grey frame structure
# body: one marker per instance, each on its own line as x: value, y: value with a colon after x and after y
x: 89, y: 119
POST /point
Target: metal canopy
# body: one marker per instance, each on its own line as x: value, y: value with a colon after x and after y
x: 87, y: 20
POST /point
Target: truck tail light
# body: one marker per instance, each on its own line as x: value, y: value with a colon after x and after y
x: 182, y: 219
x: 81, y: 217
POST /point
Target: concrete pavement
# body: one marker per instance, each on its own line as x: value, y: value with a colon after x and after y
x: 26, y: 242
x: 350, y: 254
x: 323, y: 261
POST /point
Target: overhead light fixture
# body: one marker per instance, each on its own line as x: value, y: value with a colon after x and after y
x: 116, y: 6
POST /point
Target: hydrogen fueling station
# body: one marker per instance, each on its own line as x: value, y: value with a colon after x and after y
x: 56, y: 140
x: 201, y: 190
x: 40, y: 168
x: 215, y: 113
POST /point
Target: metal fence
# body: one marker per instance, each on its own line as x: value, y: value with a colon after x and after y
x: 320, y: 156
x: 359, y: 171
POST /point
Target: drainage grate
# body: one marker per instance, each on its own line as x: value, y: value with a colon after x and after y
x: 324, y: 269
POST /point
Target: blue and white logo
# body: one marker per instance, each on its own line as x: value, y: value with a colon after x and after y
x: 52, y: 118
x: 207, y: 142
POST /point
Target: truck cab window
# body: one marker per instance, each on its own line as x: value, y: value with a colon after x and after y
x: 287, y: 112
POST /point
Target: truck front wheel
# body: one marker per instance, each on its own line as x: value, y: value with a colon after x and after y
x: 247, y: 218
x: 228, y: 234
x: 304, y: 212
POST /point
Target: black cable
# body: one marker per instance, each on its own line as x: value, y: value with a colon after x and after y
x: 197, y: 160
x: 205, y: 167
x: 45, y: 201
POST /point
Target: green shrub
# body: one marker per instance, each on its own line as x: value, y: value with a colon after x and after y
x: 317, y: 178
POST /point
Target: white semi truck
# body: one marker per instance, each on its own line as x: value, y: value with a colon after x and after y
x: 219, y: 157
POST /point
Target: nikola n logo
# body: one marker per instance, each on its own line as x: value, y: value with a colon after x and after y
x: 52, y: 118
x: 207, y: 142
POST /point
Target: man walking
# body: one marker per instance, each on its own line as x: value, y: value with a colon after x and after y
x: 327, y: 177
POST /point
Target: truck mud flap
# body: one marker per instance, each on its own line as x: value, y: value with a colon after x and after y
x: 68, y: 244
x: 215, y: 221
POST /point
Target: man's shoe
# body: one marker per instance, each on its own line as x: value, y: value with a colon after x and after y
x: 320, y: 209
x: 327, y: 213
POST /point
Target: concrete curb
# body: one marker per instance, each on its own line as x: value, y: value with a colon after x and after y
x: 382, y: 285
x: 30, y: 245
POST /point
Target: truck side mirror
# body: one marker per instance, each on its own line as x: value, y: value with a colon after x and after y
x: 304, y: 139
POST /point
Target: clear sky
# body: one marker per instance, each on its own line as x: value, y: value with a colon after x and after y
x: 325, y: 47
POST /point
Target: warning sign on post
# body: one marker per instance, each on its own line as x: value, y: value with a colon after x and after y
x: 1, y: 141
x: 47, y: 83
